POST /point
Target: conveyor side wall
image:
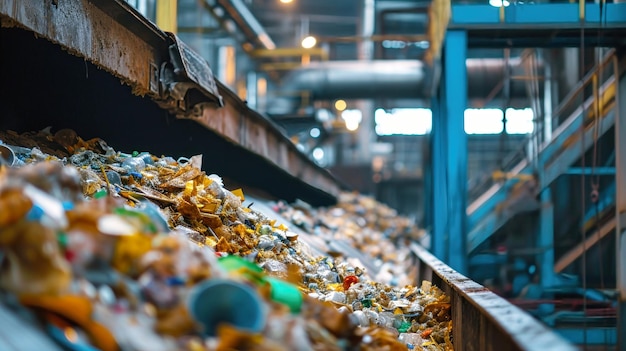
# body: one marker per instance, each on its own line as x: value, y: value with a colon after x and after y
x: 481, y: 319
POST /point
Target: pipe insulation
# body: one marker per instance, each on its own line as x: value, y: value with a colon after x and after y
x: 401, y: 79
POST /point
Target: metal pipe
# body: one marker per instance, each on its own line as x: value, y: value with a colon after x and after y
x: 366, y: 47
x: 350, y: 80
x: 365, y: 135
x: 249, y: 25
x: 384, y: 79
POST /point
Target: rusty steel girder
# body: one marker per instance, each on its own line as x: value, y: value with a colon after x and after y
x: 155, y: 64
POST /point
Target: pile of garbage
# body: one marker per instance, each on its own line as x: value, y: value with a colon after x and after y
x: 370, y: 227
x: 103, y: 250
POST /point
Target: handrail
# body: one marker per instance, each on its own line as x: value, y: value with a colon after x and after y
x: 556, y: 113
x: 583, y: 83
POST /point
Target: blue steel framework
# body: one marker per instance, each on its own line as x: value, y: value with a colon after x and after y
x: 546, y: 15
x: 527, y: 25
x: 537, y: 25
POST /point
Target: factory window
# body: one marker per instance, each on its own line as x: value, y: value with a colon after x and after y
x: 418, y: 121
x: 519, y: 121
x: 403, y: 121
x: 483, y: 121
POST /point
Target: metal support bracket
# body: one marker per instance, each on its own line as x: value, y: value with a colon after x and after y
x: 187, y: 82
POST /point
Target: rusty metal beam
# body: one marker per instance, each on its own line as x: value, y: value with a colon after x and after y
x: 118, y: 40
x: 85, y: 30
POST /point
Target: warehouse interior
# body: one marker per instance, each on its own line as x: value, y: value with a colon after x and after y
x: 497, y: 127
x: 540, y: 197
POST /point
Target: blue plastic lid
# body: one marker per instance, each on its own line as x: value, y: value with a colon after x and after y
x: 222, y: 301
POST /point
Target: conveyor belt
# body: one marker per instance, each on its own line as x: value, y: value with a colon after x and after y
x: 67, y: 75
x: 317, y: 245
x: 321, y: 245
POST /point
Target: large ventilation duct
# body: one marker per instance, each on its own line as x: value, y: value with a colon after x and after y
x: 349, y: 80
x: 485, y: 75
x: 401, y: 79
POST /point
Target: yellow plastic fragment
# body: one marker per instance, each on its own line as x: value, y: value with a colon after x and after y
x: 189, y: 187
x: 240, y: 229
x: 210, y: 241
x: 195, y: 345
x: 335, y: 287
x: 209, y: 207
x: 398, y: 310
x: 239, y: 194
x: 282, y: 227
x: 147, y: 175
x: 128, y: 250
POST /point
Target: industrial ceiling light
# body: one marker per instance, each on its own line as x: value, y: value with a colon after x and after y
x: 309, y: 42
x: 340, y: 105
x: 318, y: 154
x: 286, y: 1
x: 499, y: 3
x: 315, y: 133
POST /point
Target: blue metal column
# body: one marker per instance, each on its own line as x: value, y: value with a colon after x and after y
x: 546, y: 239
x: 439, y: 211
x: 455, y: 102
x: 545, y: 242
x: 427, y: 165
x: 620, y: 208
